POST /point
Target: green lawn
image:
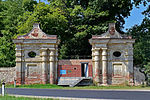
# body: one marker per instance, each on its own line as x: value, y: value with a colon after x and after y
x: 48, y: 86
x: 23, y: 98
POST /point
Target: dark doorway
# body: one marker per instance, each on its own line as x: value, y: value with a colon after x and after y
x: 84, y: 69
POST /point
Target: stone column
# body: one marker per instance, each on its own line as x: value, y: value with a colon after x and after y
x: 56, y: 63
x: 130, y: 66
x: 104, y: 66
x: 93, y: 62
x: 44, y: 65
x: 96, y: 73
x: 52, y: 64
x: 19, y: 64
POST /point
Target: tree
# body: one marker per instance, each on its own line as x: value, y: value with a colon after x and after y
x: 142, y: 44
x: 89, y: 17
x: 52, y: 21
x: 141, y: 47
x: 74, y: 21
x: 142, y: 35
x: 81, y: 19
x: 10, y: 10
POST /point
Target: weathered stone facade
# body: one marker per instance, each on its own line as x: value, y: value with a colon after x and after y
x: 112, y: 56
x: 36, y: 57
x: 36, y: 61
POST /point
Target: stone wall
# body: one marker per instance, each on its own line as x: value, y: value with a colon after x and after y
x: 7, y: 74
x: 139, y: 78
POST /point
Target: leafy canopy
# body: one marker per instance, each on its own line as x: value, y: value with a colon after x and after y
x: 74, y: 21
x: 9, y: 12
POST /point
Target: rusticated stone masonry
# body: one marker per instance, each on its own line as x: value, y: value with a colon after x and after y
x: 7, y: 74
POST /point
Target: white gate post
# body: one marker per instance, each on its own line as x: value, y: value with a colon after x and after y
x: 3, y: 89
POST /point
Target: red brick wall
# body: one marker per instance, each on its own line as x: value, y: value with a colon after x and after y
x: 73, y: 68
x: 74, y: 61
x: 90, y: 70
x: 34, y: 78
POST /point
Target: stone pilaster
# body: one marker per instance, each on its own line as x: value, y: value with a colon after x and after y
x: 96, y: 68
x: 93, y: 59
x: 19, y: 64
x: 56, y: 63
x: 33, y: 60
x: 130, y: 66
x: 104, y: 66
x: 52, y: 65
x: 44, y: 65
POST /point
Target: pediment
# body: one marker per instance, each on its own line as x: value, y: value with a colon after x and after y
x: 111, y: 33
x: 37, y: 33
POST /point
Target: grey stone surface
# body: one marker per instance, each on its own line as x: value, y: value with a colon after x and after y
x: 139, y: 78
x: 7, y: 74
x: 72, y: 81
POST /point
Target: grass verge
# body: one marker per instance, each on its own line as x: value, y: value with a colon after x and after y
x: 7, y: 97
x: 49, y: 86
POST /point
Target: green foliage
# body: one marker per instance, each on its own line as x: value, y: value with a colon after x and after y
x: 139, y: 2
x: 6, y: 52
x: 142, y: 45
x: 51, y: 20
x: 9, y: 12
x: 147, y: 72
x: 28, y: 5
x: 50, y: 86
x: 147, y: 69
x: 74, y: 21
x: 8, y: 15
x: 86, y: 18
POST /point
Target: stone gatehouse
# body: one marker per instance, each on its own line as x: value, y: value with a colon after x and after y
x: 36, y: 57
x: 111, y: 63
x: 112, y: 57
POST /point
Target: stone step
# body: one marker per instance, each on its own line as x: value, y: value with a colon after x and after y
x: 71, y: 81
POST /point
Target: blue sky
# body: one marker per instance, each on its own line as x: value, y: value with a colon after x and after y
x: 135, y: 17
